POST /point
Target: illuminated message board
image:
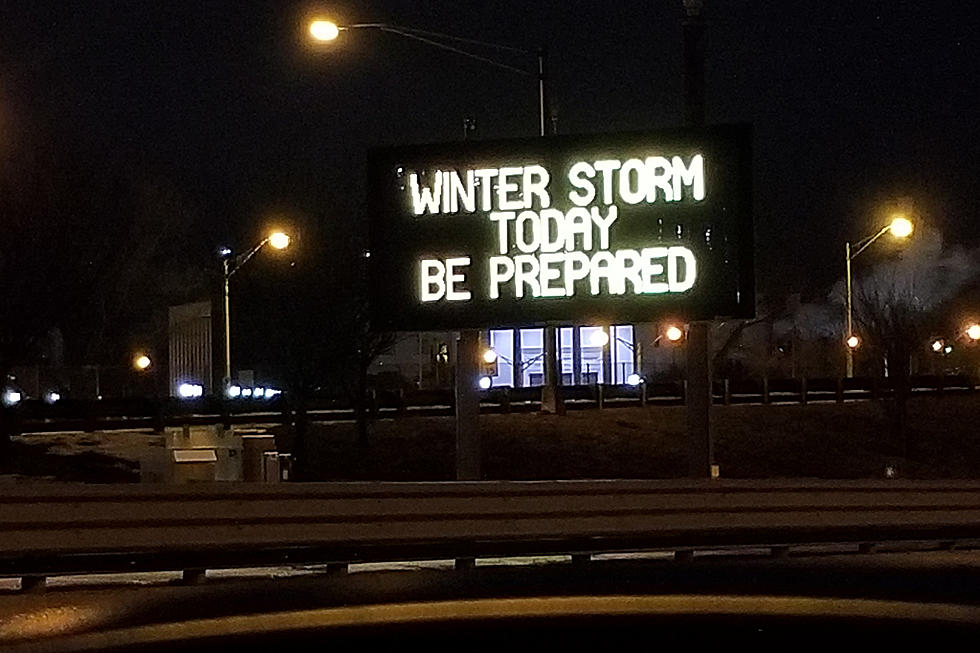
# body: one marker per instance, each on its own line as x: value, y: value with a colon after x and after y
x: 567, y: 229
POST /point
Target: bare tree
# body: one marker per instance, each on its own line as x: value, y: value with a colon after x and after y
x: 897, y: 303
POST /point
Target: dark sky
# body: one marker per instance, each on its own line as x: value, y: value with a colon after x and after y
x: 854, y: 104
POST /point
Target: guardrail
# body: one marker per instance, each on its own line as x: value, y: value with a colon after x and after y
x: 36, y: 417
x: 101, y: 529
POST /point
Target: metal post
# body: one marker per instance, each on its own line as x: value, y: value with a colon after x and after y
x: 850, y: 318
x: 419, y: 334
x: 698, y: 398
x: 227, y: 378
x: 550, y: 397
x: 607, y: 363
x: 542, y: 91
x: 467, y: 406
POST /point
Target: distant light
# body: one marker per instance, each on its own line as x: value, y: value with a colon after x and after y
x: 973, y: 332
x: 937, y: 346
x: 279, y: 240
x: 224, y: 252
x: 324, y: 30
x: 190, y: 390
x: 853, y: 342
x: 12, y: 397
x: 485, y: 382
x: 489, y: 356
x: 890, y: 471
x: 674, y: 333
x: 633, y: 379
x: 258, y: 393
x: 234, y: 391
x: 599, y: 338
x: 367, y: 253
x: 52, y: 397
x: 246, y: 392
x: 142, y: 362
x: 272, y: 392
x: 900, y: 227
x: 948, y: 349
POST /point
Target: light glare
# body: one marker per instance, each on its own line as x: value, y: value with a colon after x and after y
x: 11, y: 397
x: 324, y: 30
x: 142, y: 361
x: 599, y: 338
x: 853, y: 342
x: 633, y: 379
x: 279, y: 240
x: 234, y: 391
x: 973, y: 332
x: 674, y: 333
x: 53, y: 397
x: 901, y: 227
x: 190, y: 390
x: 937, y: 345
x: 489, y: 356
x: 485, y: 382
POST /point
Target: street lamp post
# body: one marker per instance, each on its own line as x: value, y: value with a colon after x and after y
x: 325, y: 31
x: 231, y: 265
x: 899, y: 227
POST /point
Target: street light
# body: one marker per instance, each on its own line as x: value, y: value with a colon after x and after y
x: 324, y: 31
x: 973, y: 332
x: 232, y: 264
x: 142, y: 362
x: 899, y: 227
x: 674, y: 333
x: 853, y: 342
x: 489, y: 356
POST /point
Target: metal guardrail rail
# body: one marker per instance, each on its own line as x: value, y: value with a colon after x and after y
x: 70, y: 529
x: 145, y: 414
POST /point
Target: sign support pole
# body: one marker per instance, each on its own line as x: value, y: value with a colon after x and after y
x: 468, y: 406
x: 698, y: 399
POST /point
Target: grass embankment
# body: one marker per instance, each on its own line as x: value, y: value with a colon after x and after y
x: 854, y: 440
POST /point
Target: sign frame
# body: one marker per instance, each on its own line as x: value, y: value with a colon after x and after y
x: 718, y: 229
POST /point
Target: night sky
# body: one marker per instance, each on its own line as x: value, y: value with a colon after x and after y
x: 854, y: 104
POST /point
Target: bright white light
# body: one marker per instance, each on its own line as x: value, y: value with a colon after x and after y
x: 937, y: 346
x: 190, y: 390
x: 489, y: 356
x: 973, y: 332
x: 674, y: 333
x: 948, y: 349
x: 52, y: 397
x: 324, y: 30
x: 279, y: 240
x: 485, y: 382
x: 258, y: 393
x: 633, y: 379
x: 272, y: 392
x: 224, y: 251
x: 853, y: 342
x: 901, y: 227
x: 11, y: 397
x: 599, y: 338
x: 142, y: 362
x: 234, y: 391
x: 246, y: 392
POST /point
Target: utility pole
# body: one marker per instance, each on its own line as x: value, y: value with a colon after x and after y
x: 698, y: 394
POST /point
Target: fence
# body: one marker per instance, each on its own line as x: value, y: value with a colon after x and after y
x: 37, y: 416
